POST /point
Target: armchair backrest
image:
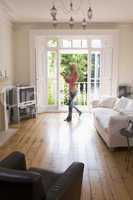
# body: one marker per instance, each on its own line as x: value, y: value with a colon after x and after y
x: 68, y: 186
x: 20, y: 185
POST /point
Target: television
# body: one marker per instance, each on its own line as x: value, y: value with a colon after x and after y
x: 26, y: 94
x: 20, y: 95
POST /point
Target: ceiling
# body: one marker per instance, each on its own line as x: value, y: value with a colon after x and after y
x: 38, y: 10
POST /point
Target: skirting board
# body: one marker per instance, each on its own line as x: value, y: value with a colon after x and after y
x: 5, y: 136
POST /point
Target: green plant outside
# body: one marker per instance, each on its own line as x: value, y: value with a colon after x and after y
x: 66, y: 60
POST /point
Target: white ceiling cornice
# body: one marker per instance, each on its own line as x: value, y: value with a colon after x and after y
x: 7, y: 9
x: 39, y: 11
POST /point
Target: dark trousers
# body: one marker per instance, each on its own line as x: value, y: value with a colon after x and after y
x: 71, y: 105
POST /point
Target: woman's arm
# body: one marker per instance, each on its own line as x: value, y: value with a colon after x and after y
x: 66, y: 78
x: 77, y: 77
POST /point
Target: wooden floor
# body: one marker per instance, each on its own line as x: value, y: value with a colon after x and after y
x: 51, y: 143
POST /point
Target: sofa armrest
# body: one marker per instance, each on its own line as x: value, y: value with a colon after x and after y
x: 22, y: 185
x: 118, y: 122
x: 15, y: 160
x: 68, y: 186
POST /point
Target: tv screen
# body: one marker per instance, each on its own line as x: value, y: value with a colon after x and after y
x: 26, y: 94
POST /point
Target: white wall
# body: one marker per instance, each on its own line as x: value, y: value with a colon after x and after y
x: 22, y: 53
x: 126, y: 54
x: 21, y: 56
x: 6, y: 46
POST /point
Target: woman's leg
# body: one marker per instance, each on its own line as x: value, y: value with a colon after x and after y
x: 70, y: 107
x: 79, y: 112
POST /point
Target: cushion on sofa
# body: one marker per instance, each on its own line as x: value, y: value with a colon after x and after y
x: 120, y: 104
x: 104, y: 101
x: 107, y: 102
x: 103, y: 115
x: 95, y: 103
x: 128, y: 110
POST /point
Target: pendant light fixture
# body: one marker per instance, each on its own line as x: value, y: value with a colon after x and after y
x: 71, y: 11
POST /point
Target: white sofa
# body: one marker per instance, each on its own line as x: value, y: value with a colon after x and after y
x: 108, y: 123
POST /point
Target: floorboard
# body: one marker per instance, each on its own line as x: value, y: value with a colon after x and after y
x: 51, y: 143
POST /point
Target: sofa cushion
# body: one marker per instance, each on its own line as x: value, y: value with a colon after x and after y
x: 121, y: 104
x: 107, y: 102
x: 103, y: 115
x: 128, y: 110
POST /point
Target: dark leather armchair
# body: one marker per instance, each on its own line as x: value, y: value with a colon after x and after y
x: 18, y: 183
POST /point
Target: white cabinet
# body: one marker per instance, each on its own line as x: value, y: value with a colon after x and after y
x: 5, y: 131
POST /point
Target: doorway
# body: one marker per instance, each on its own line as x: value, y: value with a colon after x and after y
x: 80, y: 58
x: 57, y: 55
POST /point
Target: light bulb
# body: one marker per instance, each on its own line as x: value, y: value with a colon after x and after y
x: 90, y: 13
x: 53, y: 11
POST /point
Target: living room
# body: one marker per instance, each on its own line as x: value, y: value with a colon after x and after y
x: 39, y: 41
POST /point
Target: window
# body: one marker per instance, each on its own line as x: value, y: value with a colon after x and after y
x: 96, y: 43
x: 76, y: 43
x: 95, y: 73
x: 52, y: 74
x: 84, y: 44
x: 52, y: 43
x: 66, y: 44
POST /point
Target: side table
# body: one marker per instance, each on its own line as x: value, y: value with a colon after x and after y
x: 128, y: 135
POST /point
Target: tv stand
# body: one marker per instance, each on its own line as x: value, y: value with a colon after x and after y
x: 24, y: 111
x: 22, y: 103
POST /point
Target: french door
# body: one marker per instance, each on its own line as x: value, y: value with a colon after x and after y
x: 55, y: 56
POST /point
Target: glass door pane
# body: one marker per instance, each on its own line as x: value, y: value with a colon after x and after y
x: 95, y: 74
x: 52, y: 77
x: 41, y: 77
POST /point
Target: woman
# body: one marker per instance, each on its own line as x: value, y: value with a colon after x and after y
x: 72, y: 81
